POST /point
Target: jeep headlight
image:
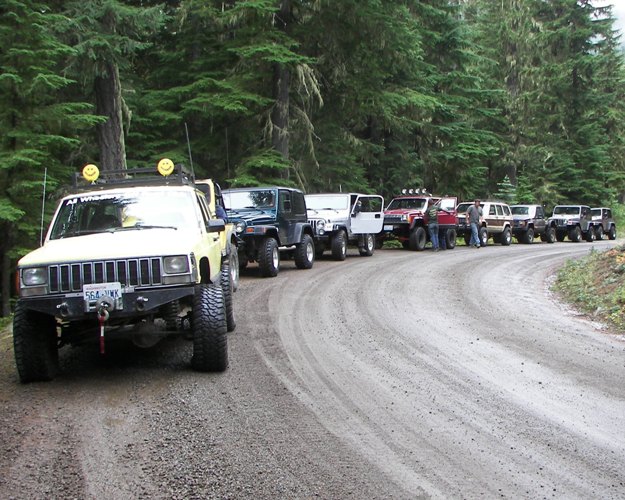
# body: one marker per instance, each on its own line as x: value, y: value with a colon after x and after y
x: 34, y: 276
x: 176, y: 264
x: 240, y: 227
x: 321, y: 225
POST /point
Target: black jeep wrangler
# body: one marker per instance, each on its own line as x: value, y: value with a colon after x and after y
x: 267, y: 221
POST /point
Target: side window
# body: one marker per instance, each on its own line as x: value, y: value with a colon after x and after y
x: 203, y: 209
x: 499, y: 209
x: 506, y: 210
x: 285, y: 201
x: 540, y: 214
x: 299, y: 203
x: 375, y: 204
x: 491, y: 211
x: 608, y: 214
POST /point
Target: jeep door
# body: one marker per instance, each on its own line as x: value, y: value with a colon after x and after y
x: 539, y: 220
x: 448, y: 218
x: 370, y: 218
x: 286, y: 218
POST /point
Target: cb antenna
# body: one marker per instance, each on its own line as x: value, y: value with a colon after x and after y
x: 43, y: 204
x: 186, y: 131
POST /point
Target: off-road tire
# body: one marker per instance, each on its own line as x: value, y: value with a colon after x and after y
x: 450, y: 238
x: 528, y: 236
x: 483, y: 234
x: 227, y: 288
x: 575, y: 234
x: 590, y: 234
x: 269, y: 258
x: 467, y: 238
x: 560, y: 237
x: 506, y: 237
x: 550, y: 235
x: 305, y: 253
x: 35, y: 345
x: 209, y: 324
x: 612, y: 232
x: 369, y: 248
x: 418, y: 239
x: 339, y: 245
x: 599, y: 233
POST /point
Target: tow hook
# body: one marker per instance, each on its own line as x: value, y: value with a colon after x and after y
x: 103, y: 316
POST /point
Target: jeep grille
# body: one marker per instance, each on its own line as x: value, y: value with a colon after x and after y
x: 392, y: 219
x: 133, y: 272
x: 313, y: 223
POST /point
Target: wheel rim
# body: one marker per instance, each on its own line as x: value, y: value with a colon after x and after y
x: 275, y: 258
x: 310, y: 252
x: 234, y: 269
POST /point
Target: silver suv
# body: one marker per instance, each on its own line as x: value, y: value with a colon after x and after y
x: 496, y: 222
x: 339, y: 219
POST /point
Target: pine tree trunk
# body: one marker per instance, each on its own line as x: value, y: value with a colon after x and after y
x: 110, y: 133
x: 281, y: 84
x: 5, y: 272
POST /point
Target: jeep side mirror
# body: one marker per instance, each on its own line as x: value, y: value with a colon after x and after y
x: 215, y: 225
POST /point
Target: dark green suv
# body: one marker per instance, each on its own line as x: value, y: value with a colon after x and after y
x: 269, y: 221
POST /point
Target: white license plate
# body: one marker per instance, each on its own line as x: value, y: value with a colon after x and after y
x: 96, y: 291
x: 388, y: 228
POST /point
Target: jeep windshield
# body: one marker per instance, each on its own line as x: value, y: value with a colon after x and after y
x: 258, y: 199
x: 128, y: 210
x: 520, y: 210
x: 407, y: 203
x: 331, y: 202
x: 566, y: 210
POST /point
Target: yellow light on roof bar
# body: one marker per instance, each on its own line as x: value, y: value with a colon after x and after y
x: 90, y: 172
x: 165, y: 167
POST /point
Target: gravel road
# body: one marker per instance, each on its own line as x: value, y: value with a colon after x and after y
x: 405, y: 375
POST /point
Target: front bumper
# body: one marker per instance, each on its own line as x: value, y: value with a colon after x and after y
x: 71, y: 307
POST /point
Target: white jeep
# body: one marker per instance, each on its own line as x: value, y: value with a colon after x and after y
x: 130, y: 256
x: 339, y: 219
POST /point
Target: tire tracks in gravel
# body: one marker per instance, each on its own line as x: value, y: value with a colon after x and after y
x: 458, y: 394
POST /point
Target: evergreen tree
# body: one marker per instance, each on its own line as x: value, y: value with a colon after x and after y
x: 38, y: 126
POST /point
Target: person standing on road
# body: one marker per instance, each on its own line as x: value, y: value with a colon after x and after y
x: 433, y: 225
x: 474, y: 217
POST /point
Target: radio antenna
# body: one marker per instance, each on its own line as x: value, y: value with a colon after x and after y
x: 186, y: 131
x: 43, y: 204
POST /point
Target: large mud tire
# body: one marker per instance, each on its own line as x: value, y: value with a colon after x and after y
x: 528, y: 236
x: 550, y: 235
x: 369, y: 246
x: 418, y: 239
x: 590, y: 234
x: 305, y: 253
x: 35, y: 345
x: 599, y: 233
x: 575, y: 234
x: 560, y: 236
x: 210, y: 339
x: 450, y: 239
x: 467, y: 238
x: 227, y: 288
x: 339, y: 245
x: 506, y: 237
x: 483, y: 234
x: 612, y: 232
x: 269, y: 258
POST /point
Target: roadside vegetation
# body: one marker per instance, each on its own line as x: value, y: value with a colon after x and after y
x: 595, y: 285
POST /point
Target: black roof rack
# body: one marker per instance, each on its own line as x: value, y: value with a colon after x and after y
x: 135, y: 177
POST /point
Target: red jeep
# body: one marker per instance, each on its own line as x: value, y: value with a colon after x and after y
x: 406, y: 220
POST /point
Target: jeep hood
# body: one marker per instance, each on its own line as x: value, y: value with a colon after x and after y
x: 113, y: 245
x: 255, y: 218
x: 330, y: 214
x: 403, y: 211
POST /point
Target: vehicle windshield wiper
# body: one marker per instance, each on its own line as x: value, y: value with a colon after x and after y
x: 139, y: 226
